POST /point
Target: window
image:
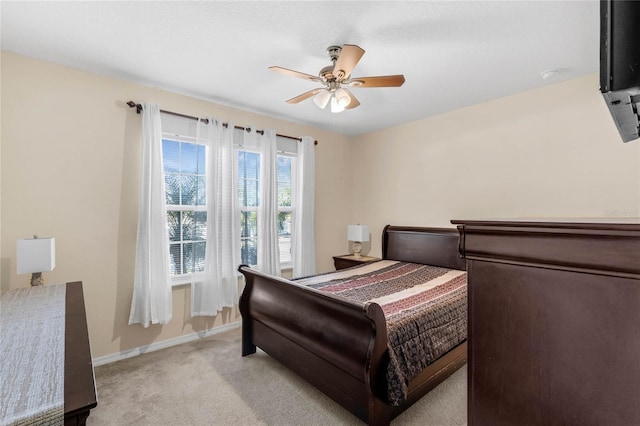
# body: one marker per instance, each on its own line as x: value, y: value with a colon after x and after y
x: 185, y: 189
x: 285, y: 207
x: 249, y: 200
x: 185, y: 195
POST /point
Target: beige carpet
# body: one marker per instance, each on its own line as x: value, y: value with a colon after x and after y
x: 207, y: 382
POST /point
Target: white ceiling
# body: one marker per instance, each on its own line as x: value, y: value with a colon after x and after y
x: 452, y: 53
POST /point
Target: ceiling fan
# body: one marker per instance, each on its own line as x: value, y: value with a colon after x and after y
x: 334, y: 77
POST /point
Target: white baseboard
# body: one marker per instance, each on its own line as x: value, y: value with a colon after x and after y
x: 129, y: 353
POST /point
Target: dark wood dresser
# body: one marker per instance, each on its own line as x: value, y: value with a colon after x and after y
x: 80, y: 395
x: 28, y: 373
x: 554, y: 321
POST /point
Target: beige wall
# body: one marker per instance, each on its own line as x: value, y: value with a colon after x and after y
x: 70, y: 156
x: 547, y: 152
x: 69, y: 169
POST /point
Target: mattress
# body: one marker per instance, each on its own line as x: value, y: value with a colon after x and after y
x: 425, y: 308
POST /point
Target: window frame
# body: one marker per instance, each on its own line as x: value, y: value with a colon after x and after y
x: 291, y: 209
x: 188, y: 278
x: 240, y: 208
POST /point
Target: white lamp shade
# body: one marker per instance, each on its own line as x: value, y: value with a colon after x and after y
x: 358, y: 233
x: 335, y: 106
x: 36, y: 255
x: 342, y: 97
x: 321, y: 99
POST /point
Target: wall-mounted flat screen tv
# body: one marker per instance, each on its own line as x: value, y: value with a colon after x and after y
x: 620, y: 63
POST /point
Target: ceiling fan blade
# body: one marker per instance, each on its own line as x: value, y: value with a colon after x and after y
x: 354, y: 102
x: 293, y: 73
x: 378, y: 81
x: 304, y: 96
x: 349, y: 57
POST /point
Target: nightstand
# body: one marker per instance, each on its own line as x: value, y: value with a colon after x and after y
x: 348, y: 260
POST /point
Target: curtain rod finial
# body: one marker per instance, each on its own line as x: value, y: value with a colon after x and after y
x: 133, y: 104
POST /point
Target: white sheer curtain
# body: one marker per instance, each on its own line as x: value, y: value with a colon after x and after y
x: 268, y: 248
x: 304, y: 242
x: 151, y: 302
x: 219, y: 285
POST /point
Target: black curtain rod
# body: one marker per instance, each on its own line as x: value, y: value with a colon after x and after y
x: 138, y: 108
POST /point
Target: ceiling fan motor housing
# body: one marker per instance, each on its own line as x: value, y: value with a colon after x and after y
x: 326, y: 74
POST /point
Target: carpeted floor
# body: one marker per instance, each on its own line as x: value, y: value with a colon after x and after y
x: 207, y: 382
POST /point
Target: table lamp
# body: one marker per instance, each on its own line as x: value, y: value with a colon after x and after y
x: 36, y: 255
x: 357, y: 234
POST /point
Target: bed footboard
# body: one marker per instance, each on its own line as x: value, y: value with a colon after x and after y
x: 336, y: 345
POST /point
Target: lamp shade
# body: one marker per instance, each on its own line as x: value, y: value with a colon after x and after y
x: 321, y: 99
x: 335, y: 106
x: 358, y: 233
x: 342, y: 97
x: 36, y: 255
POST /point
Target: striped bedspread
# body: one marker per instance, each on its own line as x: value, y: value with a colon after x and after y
x: 425, y: 308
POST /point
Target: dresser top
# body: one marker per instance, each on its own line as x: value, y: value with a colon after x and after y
x: 619, y: 223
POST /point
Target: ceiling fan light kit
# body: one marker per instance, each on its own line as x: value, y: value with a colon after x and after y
x: 339, y: 98
x: 333, y: 77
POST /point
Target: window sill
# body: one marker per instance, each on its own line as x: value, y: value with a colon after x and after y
x: 189, y: 279
x: 180, y: 283
x: 183, y: 280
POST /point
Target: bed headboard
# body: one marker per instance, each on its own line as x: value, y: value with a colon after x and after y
x: 430, y: 246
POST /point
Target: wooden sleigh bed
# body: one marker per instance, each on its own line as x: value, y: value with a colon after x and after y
x: 339, y: 346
